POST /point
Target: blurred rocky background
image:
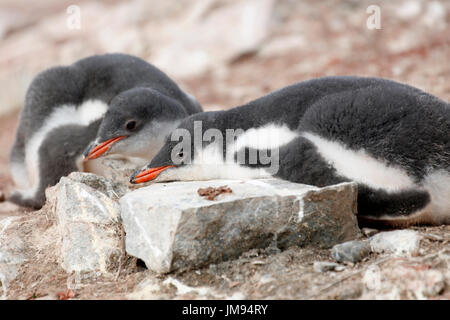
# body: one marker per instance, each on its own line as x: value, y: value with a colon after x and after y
x: 227, y: 52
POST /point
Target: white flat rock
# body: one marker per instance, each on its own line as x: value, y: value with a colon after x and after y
x: 170, y: 226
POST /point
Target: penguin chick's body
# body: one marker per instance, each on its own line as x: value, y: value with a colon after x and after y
x: 65, y: 106
x: 393, y: 140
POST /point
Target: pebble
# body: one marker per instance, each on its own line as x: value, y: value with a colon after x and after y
x: 368, y: 232
x: 433, y: 237
x: 350, y: 251
x: 398, y: 242
x: 324, y: 266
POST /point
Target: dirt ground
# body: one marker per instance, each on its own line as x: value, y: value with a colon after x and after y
x: 305, y: 39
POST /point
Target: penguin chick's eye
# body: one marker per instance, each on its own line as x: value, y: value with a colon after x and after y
x: 131, y: 125
x: 180, y: 156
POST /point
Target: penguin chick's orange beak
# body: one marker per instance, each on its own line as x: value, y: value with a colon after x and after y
x: 148, y: 174
x: 101, y: 148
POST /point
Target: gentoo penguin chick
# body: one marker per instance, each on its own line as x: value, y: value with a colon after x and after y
x: 64, y: 108
x: 393, y: 140
x: 136, y: 124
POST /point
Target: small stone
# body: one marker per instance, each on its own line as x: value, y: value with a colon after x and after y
x: 266, y: 278
x: 324, y: 266
x: 250, y: 254
x: 368, y: 232
x: 339, y: 268
x: 351, y: 251
x: 398, y: 242
x: 271, y: 250
x: 433, y: 237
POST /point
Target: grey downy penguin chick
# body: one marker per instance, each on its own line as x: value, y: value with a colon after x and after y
x: 64, y: 108
x: 393, y: 140
x: 136, y: 124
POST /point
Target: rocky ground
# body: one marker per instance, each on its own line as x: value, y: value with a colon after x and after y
x: 287, y: 41
x: 421, y: 271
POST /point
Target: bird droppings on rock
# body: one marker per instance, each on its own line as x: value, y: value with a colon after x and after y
x: 351, y: 251
x: 210, y: 193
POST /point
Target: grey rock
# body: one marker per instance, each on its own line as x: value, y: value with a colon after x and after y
x: 170, y: 227
x: 350, y: 251
x: 398, y: 242
x: 89, y: 223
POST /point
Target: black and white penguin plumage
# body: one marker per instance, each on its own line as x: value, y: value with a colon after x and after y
x: 65, y: 106
x: 390, y: 138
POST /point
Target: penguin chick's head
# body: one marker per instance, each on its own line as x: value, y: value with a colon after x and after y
x: 202, y: 147
x: 175, y: 160
x: 136, y: 124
